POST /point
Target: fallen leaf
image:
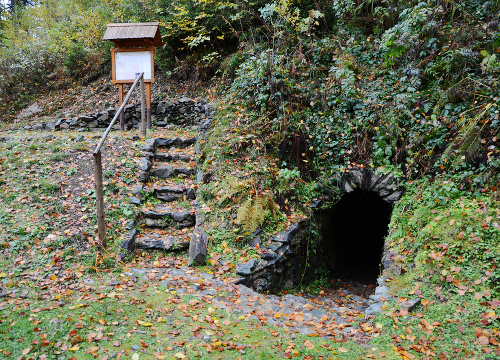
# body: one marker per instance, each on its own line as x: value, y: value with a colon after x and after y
x: 484, y: 340
x: 308, y: 344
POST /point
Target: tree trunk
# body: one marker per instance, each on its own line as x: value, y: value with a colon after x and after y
x: 13, y: 5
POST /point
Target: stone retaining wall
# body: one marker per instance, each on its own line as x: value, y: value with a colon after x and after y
x: 183, y: 112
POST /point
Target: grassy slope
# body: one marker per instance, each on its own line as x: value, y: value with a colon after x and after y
x: 60, y: 304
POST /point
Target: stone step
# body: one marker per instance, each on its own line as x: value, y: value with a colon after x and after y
x: 174, y: 193
x: 167, y: 171
x: 154, y: 239
x: 165, y: 156
x: 175, y: 142
x: 163, y: 217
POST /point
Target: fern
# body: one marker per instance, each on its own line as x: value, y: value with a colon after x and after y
x: 235, y: 187
x: 253, y: 211
x: 470, y: 138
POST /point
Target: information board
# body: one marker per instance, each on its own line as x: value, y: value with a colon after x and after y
x: 129, y: 64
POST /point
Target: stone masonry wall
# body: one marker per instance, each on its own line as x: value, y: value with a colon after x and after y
x: 183, y: 112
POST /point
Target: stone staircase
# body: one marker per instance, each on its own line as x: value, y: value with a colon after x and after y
x: 166, y: 197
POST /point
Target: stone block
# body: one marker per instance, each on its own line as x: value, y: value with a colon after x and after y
x: 198, y: 246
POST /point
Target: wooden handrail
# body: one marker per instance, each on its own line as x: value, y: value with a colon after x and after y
x: 99, y: 194
x: 140, y: 77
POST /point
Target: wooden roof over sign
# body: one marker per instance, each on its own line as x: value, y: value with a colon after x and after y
x: 134, y: 34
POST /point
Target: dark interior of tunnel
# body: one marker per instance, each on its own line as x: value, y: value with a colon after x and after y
x: 352, y: 236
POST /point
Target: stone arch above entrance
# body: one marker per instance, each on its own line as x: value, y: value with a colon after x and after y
x: 385, y: 185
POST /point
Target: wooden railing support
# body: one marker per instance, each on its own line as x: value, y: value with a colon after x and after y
x: 99, y: 196
x: 99, y: 193
x: 143, y: 110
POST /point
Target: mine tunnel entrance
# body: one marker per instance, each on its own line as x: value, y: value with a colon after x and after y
x: 352, y: 236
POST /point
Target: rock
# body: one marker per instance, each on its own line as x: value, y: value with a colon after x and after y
x: 3, y: 292
x: 130, y: 225
x: 163, y: 172
x: 137, y: 191
x: 93, y: 124
x: 381, y: 281
x: 380, y: 297
x: 198, y: 246
x: 246, y: 269
x: 167, y: 197
x: 162, y: 142
x: 374, y: 308
x: 180, y: 216
x: 409, y: 305
x: 161, y: 123
x: 129, y: 244
x: 143, y: 176
x: 288, y: 235
x: 256, y: 241
x: 29, y: 111
x: 144, y: 164
x: 136, y: 138
x: 381, y: 290
x: 190, y: 193
x: 138, y: 271
x: 165, y: 243
x: 103, y: 118
x: 134, y: 200
x: 184, y: 170
x: 86, y: 118
x: 199, y: 177
x: 50, y: 127
x: 38, y: 126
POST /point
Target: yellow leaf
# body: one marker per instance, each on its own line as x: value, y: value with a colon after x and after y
x: 74, y: 348
x: 341, y: 349
x: 160, y: 319
x: 2, y: 275
x: 180, y: 355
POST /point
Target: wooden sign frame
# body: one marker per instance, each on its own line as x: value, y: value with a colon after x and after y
x: 131, y: 81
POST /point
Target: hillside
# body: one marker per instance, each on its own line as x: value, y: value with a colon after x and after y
x: 306, y: 95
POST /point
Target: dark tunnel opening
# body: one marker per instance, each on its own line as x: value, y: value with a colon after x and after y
x: 352, y: 236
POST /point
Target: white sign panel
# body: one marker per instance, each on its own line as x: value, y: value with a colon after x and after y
x: 130, y: 64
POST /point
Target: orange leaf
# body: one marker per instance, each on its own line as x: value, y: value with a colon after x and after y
x: 308, y: 344
x: 324, y: 317
x: 25, y: 351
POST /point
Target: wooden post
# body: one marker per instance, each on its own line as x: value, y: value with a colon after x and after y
x: 143, y: 115
x: 122, y: 115
x: 148, y: 91
x: 101, y: 227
